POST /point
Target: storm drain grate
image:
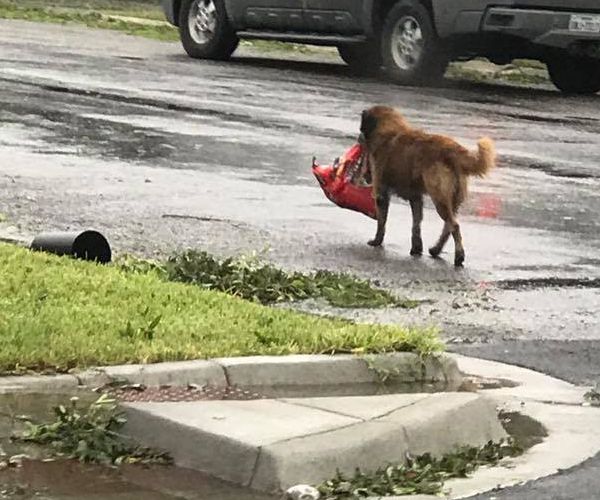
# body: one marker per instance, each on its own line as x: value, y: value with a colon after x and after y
x: 138, y: 393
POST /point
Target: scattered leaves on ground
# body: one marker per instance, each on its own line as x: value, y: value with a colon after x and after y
x: 90, y: 435
x: 593, y: 396
x: 252, y: 279
x: 423, y: 475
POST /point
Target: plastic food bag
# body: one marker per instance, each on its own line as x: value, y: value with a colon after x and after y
x: 347, y: 182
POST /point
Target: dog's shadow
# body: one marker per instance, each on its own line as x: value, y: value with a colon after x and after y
x: 395, y: 261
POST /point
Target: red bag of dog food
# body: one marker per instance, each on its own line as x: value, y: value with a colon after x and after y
x: 347, y: 182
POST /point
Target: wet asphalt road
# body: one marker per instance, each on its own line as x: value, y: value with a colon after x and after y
x: 160, y: 152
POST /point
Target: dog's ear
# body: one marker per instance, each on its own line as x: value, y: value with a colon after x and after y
x: 368, y: 124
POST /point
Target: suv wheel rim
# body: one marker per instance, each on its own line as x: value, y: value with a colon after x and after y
x: 202, y: 21
x: 407, y: 43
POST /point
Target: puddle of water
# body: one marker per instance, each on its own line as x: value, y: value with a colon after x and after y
x: 16, y: 408
x: 552, y: 282
x: 140, y: 393
x: 69, y: 480
x: 525, y: 430
x: 352, y: 390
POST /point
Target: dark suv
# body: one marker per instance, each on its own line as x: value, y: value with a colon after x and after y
x: 411, y: 40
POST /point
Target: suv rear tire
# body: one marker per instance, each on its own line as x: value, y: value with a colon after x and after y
x: 205, y: 30
x: 411, y: 51
x: 363, y: 58
x: 574, y: 75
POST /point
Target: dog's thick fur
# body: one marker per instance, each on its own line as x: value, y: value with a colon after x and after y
x: 411, y: 163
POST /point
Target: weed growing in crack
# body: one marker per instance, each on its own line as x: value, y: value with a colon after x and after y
x: 90, y: 435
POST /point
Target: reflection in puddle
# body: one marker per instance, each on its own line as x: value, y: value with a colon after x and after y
x: 63, y: 480
x: 488, y: 206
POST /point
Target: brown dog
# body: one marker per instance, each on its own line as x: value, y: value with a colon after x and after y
x: 411, y: 163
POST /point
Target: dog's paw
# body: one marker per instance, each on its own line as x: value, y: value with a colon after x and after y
x: 459, y: 259
x: 375, y: 243
x: 417, y: 248
x: 435, y: 252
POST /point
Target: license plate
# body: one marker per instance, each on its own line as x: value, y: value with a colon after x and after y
x: 584, y: 23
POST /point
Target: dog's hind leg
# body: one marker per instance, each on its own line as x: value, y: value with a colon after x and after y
x: 436, y: 250
x: 451, y: 227
x: 416, y: 206
x: 440, y: 184
x: 459, y: 251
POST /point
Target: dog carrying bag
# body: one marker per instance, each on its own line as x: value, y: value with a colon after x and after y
x: 347, y: 182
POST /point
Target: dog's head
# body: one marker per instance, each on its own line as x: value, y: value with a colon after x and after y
x: 368, y: 125
x: 377, y: 118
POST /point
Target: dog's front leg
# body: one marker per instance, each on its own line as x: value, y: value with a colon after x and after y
x: 416, y: 206
x: 382, y: 198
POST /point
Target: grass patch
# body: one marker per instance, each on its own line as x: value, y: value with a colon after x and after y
x: 274, y: 46
x: 147, y: 9
x: 252, y: 279
x: 90, y: 435
x: 522, y: 77
x: 530, y: 63
x: 423, y: 475
x: 59, y: 314
x: 524, y: 73
x: 94, y: 15
x: 134, y: 17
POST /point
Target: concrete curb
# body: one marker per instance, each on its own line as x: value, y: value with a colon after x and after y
x: 41, y: 384
x: 574, y: 435
x: 270, y: 445
x: 177, y: 373
x: 255, y: 371
x: 573, y: 431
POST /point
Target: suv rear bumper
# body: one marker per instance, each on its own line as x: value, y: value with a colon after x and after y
x: 542, y: 27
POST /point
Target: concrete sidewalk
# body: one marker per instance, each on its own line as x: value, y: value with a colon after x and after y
x: 271, y: 445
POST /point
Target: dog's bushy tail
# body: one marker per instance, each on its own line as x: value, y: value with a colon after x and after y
x: 480, y: 163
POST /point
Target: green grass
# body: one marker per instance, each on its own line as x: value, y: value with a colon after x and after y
x: 57, y: 314
x: 99, y: 14
x: 149, y: 9
x: 523, y: 72
x: 94, y: 15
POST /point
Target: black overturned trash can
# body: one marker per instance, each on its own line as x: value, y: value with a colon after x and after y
x: 86, y: 245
